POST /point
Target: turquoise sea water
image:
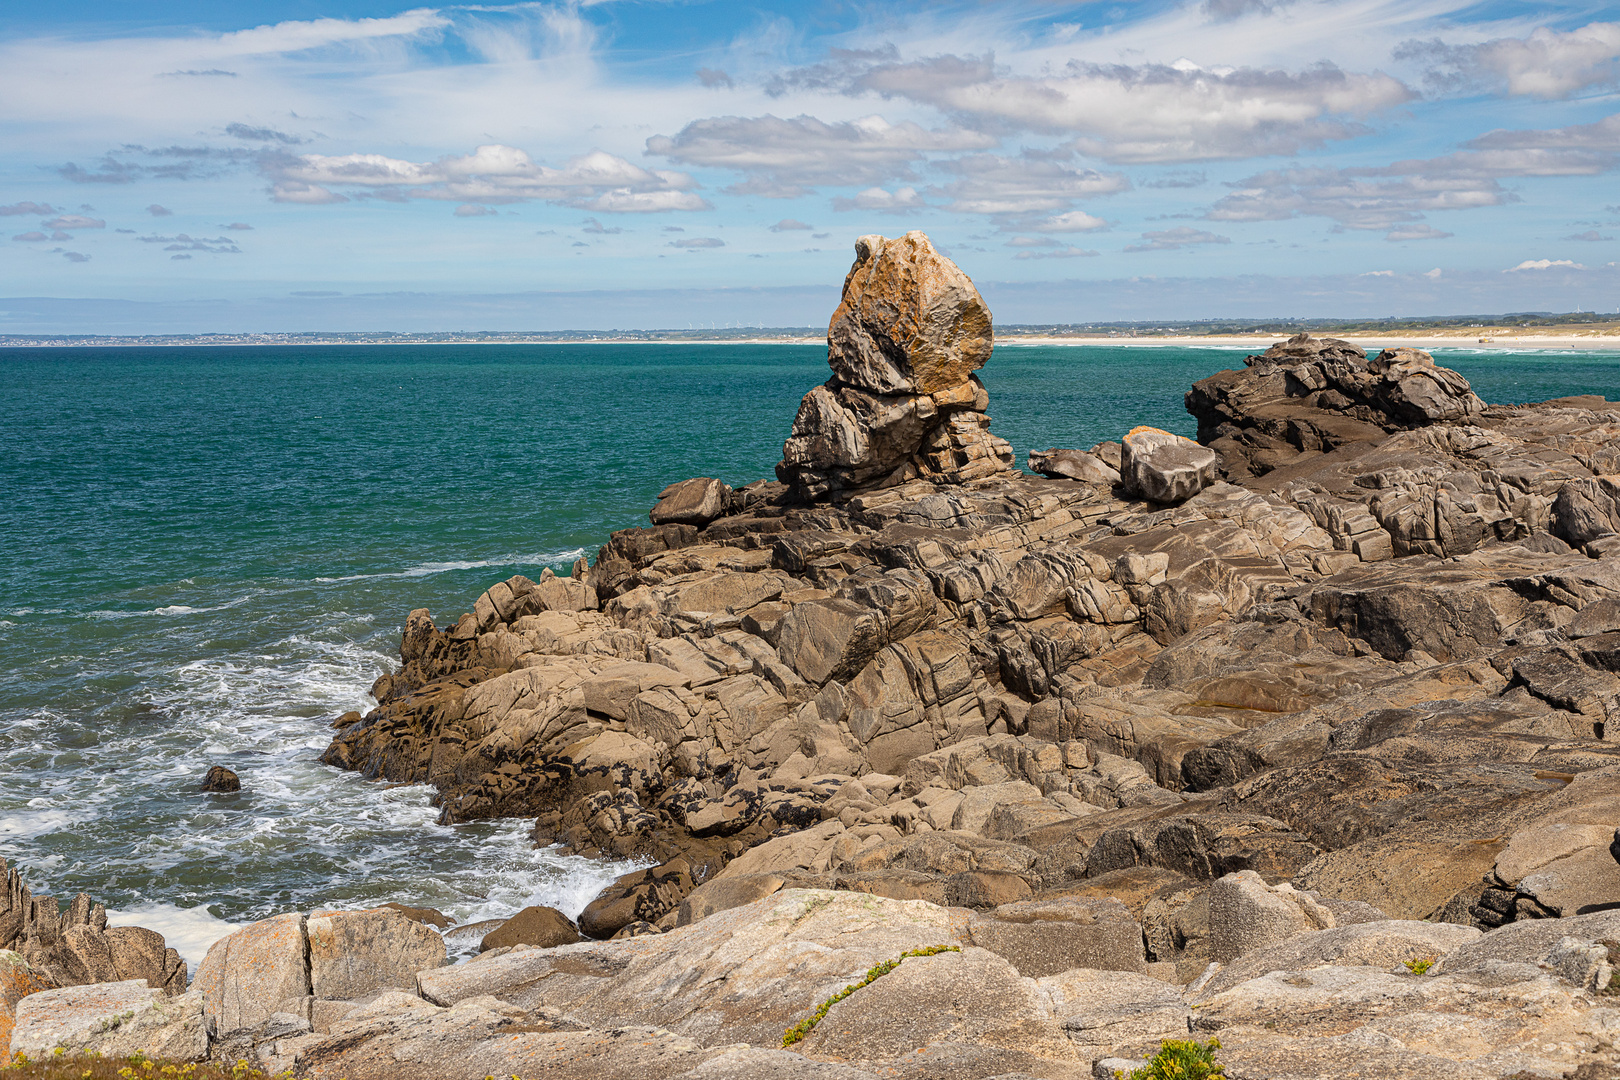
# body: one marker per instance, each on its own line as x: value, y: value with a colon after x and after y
x: 206, y: 554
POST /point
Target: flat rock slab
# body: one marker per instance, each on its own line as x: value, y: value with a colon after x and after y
x: 253, y: 973
x: 355, y: 953
x: 115, y: 1019
x: 1046, y: 937
x: 742, y: 975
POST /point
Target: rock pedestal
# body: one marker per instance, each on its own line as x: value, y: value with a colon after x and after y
x: 903, y: 402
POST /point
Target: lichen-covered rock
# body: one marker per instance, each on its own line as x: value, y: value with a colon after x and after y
x: 112, y: 1019
x: 1165, y: 468
x: 903, y: 402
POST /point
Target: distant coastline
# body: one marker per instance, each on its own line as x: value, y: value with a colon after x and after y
x: 1541, y: 331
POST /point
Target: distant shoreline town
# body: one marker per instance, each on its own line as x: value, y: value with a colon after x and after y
x: 1522, y: 328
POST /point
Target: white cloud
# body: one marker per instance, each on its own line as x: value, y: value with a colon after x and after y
x: 698, y: 243
x: 785, y: 156
x: 1181, y: 237
x: 293, y: 191
x: 297, y: 36
x: 1417, y: 231
x: 790, y: 225
x: 1059, y: 253
x: 1544, y: 264
x: 1072, y: 221
x: 1149, y: 113
x: 494, y: 174
x: 1379, y: 273
x: 1355, y: 198
x: 1549, y: 64
x: 1432, y: 275
x: 899, y: 201
x: 75, y: 221
x: 993, y: 184
x: 475, y: 210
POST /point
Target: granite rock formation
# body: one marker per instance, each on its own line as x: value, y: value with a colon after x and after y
x: 903, y: 402
x: 1051, y: 989
x: 1367, y: 659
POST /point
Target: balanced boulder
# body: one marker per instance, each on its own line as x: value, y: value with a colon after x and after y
x: 903, y: 402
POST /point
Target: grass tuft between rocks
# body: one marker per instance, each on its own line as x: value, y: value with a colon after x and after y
x: 92, y: 1066
x: 1181, y: 1059
x: 806, y: 1026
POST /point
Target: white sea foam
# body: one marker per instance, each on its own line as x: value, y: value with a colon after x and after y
x: 428, y: 569
x: 188, y: 931
x: 25, y: 824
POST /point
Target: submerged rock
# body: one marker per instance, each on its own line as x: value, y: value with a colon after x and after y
x: 220, y: 778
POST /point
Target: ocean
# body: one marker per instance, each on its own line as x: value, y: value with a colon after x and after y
x: 208, y: 554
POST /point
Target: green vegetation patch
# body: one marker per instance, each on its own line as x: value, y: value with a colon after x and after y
x: 1181, y: 1059
x: 805, y: 1027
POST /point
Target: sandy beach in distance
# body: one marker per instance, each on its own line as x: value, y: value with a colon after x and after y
x: 1474, y: 341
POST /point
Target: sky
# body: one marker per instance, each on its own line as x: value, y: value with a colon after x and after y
x: 175, y: 166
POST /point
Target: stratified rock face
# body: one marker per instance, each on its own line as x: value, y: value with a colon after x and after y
x: 76, y: 948
x: 903, y: 402
x: 1318, y: 394
x: 1164, y: 468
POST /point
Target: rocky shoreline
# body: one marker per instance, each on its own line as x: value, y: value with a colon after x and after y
x: 1300, y: 734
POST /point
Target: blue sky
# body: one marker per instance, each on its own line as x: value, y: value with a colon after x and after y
x: 191, y: 166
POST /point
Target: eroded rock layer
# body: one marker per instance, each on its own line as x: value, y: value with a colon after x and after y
x: 1362, y: 640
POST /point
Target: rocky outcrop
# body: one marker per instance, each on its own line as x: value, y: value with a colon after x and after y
x: 903, y: 402
x: 76, y: 947
x: 1337, y: 648
x: 911, y: 989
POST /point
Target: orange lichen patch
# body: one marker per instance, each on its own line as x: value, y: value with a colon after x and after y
x: 1144, y: 429
x: 17, y: 981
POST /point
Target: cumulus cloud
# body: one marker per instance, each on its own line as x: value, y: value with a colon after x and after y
x: 1174, y: 239
x: 75, y: 221
x: 790, y: 225
x: 294, y: 191
x: 696, y: 243
x: 1142, y: 114
x: 1417, y: 231
x: 784, y: 157
x: 1072, y: 221
x: 1432, y: 275
x: 219, y: 245
x: 1059, y: 253
x: 1549, y: 64
x: 490, y: 175
x: 993, y: 184
x: 28, y: 209
x: 1544, y: 264
x: 1355, y: 198
x: 899, y: 201
x: 1226, y: 10
x: 261, y: 134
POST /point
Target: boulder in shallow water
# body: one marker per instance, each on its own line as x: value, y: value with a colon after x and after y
x: 220, y: 778
x: 543, y: 927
